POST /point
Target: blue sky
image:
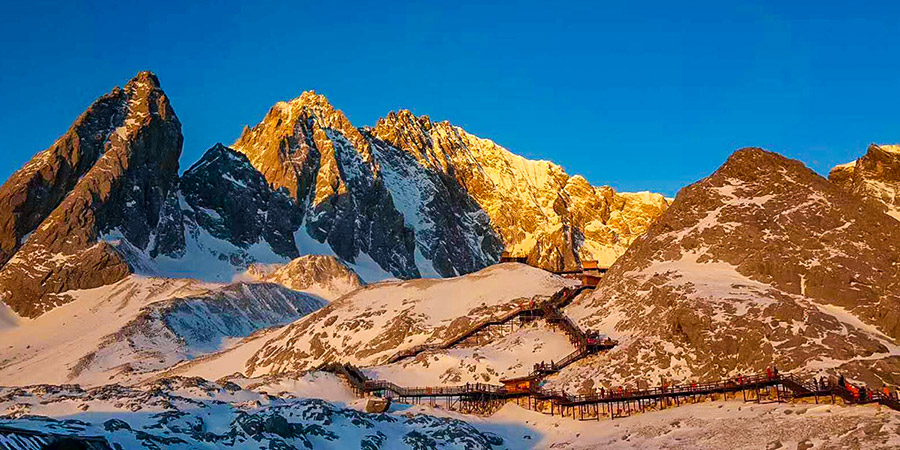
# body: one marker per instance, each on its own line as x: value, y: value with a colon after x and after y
x: 639, y: 95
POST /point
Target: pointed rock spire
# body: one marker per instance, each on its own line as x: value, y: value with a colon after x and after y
x: 105, y: 180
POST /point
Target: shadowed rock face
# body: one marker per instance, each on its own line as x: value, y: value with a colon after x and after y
x: 762, y: 262
x: 34, y: 191
x: 875, y: 177
x: 232, y: 201
x: 311, y: 150
x: 108, y: 176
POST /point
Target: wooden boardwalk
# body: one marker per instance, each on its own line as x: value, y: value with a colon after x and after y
x: 486, y: 398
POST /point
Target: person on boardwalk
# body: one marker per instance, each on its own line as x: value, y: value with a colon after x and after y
x: 885, y: 391
x: 768, y: 372
x: 775, y: 370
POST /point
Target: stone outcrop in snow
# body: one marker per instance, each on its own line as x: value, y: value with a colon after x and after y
x: 875, y: 177
x: 325, y: 276
x: 762, y: 262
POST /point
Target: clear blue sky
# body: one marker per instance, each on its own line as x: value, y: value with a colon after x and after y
x: 639, y: 95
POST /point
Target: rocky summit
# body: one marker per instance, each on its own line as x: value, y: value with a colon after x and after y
x: 763, y: 262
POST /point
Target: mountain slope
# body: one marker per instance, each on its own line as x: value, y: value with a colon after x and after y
x: 119, y: 195
x: 371, y: 324
x: 126, y: 331
x: 762, y: 262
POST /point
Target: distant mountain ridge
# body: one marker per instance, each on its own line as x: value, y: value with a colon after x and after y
x: 406, y: 198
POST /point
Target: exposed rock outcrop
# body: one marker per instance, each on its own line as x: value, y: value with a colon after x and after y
x: 875, y: 177
x: 322, y: 275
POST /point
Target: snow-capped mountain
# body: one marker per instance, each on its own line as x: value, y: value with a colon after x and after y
x: 763, y: 262
x: 265, y: 260
x: 404, y: 199
x: 445, y: 202
x: 109, y: 174
x: 535, y: 207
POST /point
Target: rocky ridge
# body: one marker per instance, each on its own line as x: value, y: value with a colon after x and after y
x: 763, y: 262
x: 407, y: 198
x: 433, y: 189
x: 536, y: 208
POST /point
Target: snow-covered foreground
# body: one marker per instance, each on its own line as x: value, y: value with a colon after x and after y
x: 729, y: 425
x: 317, y: 410
x: 188, y: 413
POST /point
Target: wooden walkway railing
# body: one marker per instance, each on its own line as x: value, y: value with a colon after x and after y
x: 792, y: 386
x: 549, y: 308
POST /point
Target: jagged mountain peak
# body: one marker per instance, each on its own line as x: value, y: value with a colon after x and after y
x: 107, y: 177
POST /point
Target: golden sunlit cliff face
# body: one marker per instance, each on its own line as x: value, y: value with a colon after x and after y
x: 539, y: 210
x: 443, y: 183
x: 874, y: 177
